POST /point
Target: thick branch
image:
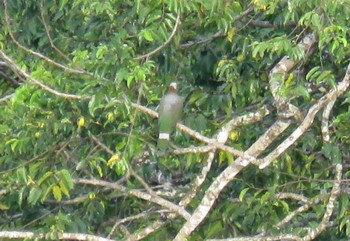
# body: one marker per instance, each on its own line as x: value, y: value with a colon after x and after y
x: 328, y: 98
x: 285, y: 237
x: 61, y: 236
x: 325, y: 120
x: 226, y: 176
x: 277, y: 76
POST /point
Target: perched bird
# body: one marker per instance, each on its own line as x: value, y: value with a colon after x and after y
x: 170, y: 110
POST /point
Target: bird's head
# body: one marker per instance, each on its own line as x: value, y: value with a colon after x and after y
x: 172, y: 87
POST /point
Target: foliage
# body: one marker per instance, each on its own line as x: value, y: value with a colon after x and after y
x: 49, y: 142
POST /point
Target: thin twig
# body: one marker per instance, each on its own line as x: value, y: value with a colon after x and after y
x: 146, y: 56
x: 7, y: 97
x: 218, y: 34
x: 131, y: 218
x: 7, y: 20
x: 48, y: 33
x: 314, y: 232
x: 137, y: 193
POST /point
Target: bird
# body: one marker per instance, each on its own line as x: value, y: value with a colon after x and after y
x: 170, y: 111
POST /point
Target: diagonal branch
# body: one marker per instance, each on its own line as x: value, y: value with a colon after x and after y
x: 277, y: 75
x: 180, y: 126
x: 226, y: 176
x: 15, y: 68
x: 308, y: 120
x: 134, y: 192
x: 329, y: 208
x: 48, y: 33
x: 7, y: 97
x: 7, y: 20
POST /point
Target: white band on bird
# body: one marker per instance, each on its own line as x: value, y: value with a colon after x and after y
x: 164, y: 136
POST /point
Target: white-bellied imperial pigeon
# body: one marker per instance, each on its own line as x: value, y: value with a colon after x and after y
x: 170, y: 110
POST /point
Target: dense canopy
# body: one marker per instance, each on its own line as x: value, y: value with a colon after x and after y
x: 262, y: 151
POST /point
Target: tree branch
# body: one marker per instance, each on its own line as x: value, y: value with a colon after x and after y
x: 61, y: 236
x: 226, y: 176
x: 325, y: 120
x: 7, y: 97
x: 308, y: 120
x: 313, y: 233
x: 15, y: 68
x: 48, y: 33
x: 134, y: 192
x: 284, y: 237
x: 218, y: 34
x: 277, y: 76
x: 7, y: 20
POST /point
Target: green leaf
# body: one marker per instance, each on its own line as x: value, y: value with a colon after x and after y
x: 313, y: 73
x: 64, y: 188
x: 34, y: 195
x: 66, y: 178
x: 265, y: 197
x: 22, y: 175
x: 243, y: 193
x: 44, y: 177
x: 56, y: 191
x: 343, y: 204
x: 147, y: 35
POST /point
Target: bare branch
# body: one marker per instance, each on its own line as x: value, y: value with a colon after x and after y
x: 15, y: 68
x: 7, y: 77
x: 180, y: 126
x: 131, y: 218
x: 103, y: 146
x: 134, y: 192
x: 7, y: 97
x: 277, y: 76
x: 226, y: 176
x: 330, y: 206
x: 48, y: 33
x: 331, y: 96
x: 325, y: 120
x: 245, y: 119
x: 146, y: 56
x: 73, y: 201
x: 285, y: 237
x: 7, y: 20
x: 303, y: 208
x: 204, y: 149
x: 61, y: 236
x: 146, y: 231
x: 294, y: 196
